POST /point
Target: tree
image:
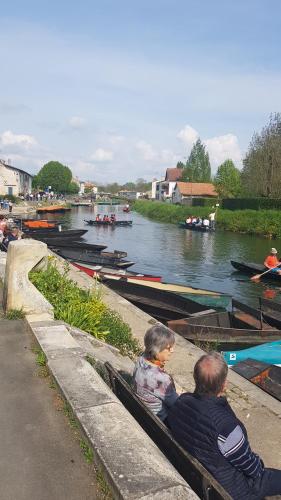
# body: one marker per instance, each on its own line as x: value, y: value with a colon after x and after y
x: 228, y: 180
x: 180, y: 164
x: 198, y: 168
x: 56, y: 175
x: 73, y: 188
x: 261, y: 173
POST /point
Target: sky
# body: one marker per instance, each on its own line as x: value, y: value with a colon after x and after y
x: 119, y: 90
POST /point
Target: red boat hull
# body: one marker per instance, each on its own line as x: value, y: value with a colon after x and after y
x: 93, y: 273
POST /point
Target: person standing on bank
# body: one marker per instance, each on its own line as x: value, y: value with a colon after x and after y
x: 151, y: 383
x: 204, y: 424
x: 212, y: 218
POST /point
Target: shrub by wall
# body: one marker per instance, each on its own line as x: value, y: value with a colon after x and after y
x: 203, y: 202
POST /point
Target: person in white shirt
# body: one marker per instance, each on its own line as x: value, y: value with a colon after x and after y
x: 206, y: 222
x: 212, y: 218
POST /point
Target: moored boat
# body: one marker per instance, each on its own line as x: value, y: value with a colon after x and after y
x: 38, y: 224
x: 205, y: 297
x: 109, y: 223
x: 68, y: 234
x: 110, y: 259
x: 264, y: 375
x: 77, y: 245
x: 253, y: 268
x: 267, y: 353
x: 243, y: 327
x: 162, y: 305
x: 53, y: 209
x: 104, y: 272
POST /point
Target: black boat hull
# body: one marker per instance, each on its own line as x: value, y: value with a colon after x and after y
x: 265, y: 376
x: 164, y: 306
x: 252, y: 268
x: 194, y: 227
x: 61, y: 244
x: 109, y: 224
x: 72, y: 234
x: 94, y: 258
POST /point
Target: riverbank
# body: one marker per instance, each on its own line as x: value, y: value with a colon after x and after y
x: 265, y: 223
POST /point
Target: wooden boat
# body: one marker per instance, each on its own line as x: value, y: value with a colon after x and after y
x: 76, y: 244
x: 271, y: 312
x: 110, y: 259
x: 109, y: 223
x: 53, y: 209
x: 103, y: 272
x: 41, y: 234
x: 162, y: 305
x: 243, y: 327
x: 253, y: 268
x: 267, y: 353
x: 195, y: 227
x: 38, y: 224
x: 82, y: 204
x: 206, y: 297
x: 264, y: 375
x: 59, y: 241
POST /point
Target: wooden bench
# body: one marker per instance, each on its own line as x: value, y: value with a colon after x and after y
x: 199, y: 479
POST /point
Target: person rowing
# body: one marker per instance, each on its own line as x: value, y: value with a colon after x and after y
x: 272, y: 263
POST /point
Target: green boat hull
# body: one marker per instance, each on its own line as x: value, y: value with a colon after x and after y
x: 212, y: 301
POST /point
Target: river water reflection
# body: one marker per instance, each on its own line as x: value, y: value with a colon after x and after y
x: 180, y: 255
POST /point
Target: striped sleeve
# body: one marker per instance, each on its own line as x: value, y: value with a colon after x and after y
x: 236, y: 449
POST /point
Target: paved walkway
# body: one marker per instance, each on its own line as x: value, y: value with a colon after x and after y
x: 40, y: 457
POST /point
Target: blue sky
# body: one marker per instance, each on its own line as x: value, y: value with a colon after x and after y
x: 121, y: 89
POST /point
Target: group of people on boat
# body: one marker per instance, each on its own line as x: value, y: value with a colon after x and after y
x: 7, y: 232
x: 203, y: 422
x: 206, y: 221
x: 106, y: 218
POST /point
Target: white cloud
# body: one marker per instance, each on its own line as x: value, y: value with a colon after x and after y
x: 223, y: 147
x: 188, y: 135
x: 101, y: 155
x: 149, y: 153
x: 77, y: 122
x: 146, y: 150
x: 10, y: 142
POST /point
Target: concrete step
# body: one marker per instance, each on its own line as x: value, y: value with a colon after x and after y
x: 9, y: 327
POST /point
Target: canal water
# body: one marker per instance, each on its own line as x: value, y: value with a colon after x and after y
x: 179, y: 255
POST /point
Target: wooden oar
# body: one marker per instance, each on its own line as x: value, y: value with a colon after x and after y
x: 258, y: 276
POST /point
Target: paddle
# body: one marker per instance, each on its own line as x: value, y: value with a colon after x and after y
x: 258, y: 276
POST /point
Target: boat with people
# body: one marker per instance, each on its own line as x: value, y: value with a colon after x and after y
x: 104, y: 272
x: 162, y: 305
x: 252, y: 268
x: 53, y: 209
x: 110, y: 259
x: 264, y: 375
x: 109, y: 222
x: 267, y: 353
x: 242, y: 327
x: 195, y: 227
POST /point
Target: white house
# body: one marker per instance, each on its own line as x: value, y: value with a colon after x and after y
x: 163, y: 190
x: 129, y: 195
x: 14, y: 181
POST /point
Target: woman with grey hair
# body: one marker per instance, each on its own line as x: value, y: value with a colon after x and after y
x: 152, y: 384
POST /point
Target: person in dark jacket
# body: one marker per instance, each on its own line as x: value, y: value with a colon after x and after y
x: 204, y: 424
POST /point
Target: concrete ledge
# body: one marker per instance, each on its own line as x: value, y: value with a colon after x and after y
x: 133, y: 465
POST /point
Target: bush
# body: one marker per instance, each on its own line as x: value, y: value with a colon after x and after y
x: 251, y: 204
x: 83, y: 309
x: 203, y: 202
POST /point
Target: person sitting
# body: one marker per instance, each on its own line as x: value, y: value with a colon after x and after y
x: 151, y: 383
x: 188, y: 220
x: 13, y: 235
x: 98, y: 218
x: 271, y: 261
x: 199, y: 221
x: 193, y: 219
x: 105, y: 218
x: 206, y: 222
x: 3, y: 224
x: 205, y: 425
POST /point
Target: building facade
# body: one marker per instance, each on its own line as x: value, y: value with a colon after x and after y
x: 14, y: 181
x: 163, y: 190
x: 185, y: 191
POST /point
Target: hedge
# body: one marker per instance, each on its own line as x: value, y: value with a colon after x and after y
x: 251, y: 204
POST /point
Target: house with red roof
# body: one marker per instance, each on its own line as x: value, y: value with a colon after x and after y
x: 184, y: 191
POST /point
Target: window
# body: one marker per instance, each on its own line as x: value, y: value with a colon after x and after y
x: 10, y: 190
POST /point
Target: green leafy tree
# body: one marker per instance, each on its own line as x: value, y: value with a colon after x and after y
x: 198, y: 168
x: 180, y: 164
x: 73, y: 188
x: 56, y: 175
x: 35, y: 183
x: 261, y: 173
x: 228, y: 180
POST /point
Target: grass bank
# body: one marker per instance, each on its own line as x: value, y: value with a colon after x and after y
x: 260, y: 222
x: 83, y: 309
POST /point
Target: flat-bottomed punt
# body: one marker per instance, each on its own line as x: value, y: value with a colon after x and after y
x: 195, y: 227
x: 103, y: 272
x: 69, y: 234
x: 109, y: 223
x: 252, y: 268
x: 267, y: 353
x: 243, y: 327
x: 53, y: 209
x: 162, y: 305
x: 110, y: 259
